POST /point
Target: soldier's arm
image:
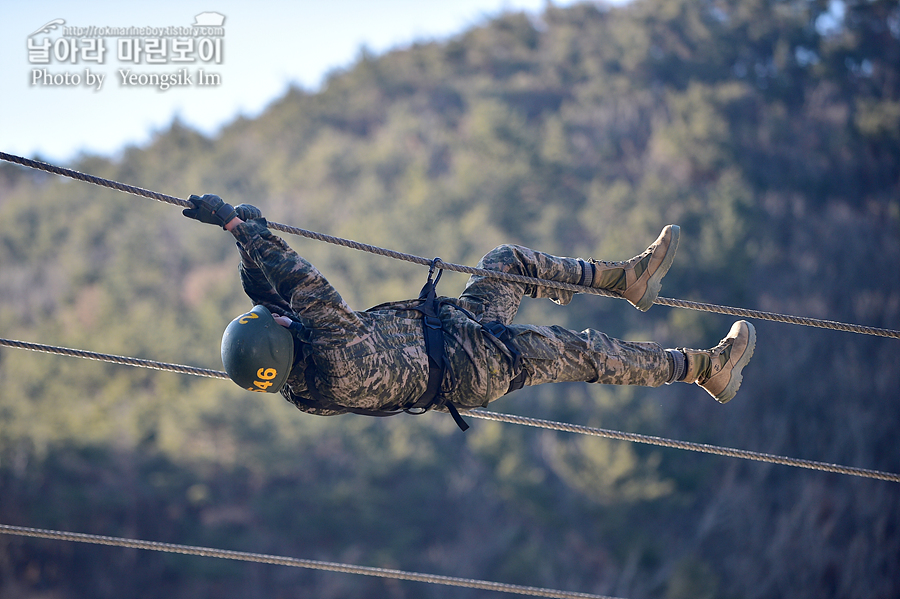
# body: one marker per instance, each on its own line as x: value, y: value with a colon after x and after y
x: 254, y: 281
x: 257, y: 286
x: 294, y: 280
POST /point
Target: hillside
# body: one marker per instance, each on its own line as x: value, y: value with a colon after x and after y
x: 768, y: 130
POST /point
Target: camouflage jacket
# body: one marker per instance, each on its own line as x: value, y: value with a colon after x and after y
x: 374, y: 359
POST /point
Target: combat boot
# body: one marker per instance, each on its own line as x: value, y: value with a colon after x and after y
x: 639, y: 279
x: 718, y: 370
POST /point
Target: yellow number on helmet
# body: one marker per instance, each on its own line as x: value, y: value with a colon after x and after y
x: 267, y: 375
x: 263, y: 385
x: 248, y: 315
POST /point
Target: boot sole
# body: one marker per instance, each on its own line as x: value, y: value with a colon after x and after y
x: 654, y: 283
x: 734, y: 383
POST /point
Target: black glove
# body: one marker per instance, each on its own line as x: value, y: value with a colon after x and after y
x: 247, y: 212
x: 210, y: 209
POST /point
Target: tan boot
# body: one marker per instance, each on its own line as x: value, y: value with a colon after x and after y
x: 718, y: 370
x: 640, y: 279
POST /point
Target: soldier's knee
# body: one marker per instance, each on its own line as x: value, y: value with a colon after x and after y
x: 502, y: 257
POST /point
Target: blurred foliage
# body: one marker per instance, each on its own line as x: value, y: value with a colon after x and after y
x: 767, y: 129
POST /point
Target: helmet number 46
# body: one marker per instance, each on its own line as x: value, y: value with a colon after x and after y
x: 266, y: 374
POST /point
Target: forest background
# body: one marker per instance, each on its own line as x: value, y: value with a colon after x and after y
x: 769, y: 130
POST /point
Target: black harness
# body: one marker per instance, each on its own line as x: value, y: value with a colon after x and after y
x: 438, y: 363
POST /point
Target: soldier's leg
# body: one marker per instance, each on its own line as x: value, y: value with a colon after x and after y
x: 638, y: 280
x: 553, y: 354
x: 498, y: 299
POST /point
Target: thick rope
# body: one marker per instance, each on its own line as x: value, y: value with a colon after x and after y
x: 500, y: 417
x: 113, y: 359
x: 686, y: 445
x: 294, y: 562
x: 675, y: 303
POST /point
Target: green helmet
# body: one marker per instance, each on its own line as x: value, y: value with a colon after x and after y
x: 257, y: 352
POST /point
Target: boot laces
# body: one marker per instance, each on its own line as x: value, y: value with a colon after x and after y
x: 638, y: 263
x: 719, y: 356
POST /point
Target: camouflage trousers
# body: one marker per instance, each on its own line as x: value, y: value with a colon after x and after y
x: 552, y: 354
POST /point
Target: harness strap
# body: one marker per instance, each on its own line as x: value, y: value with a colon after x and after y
x: 438, y: 363
x: 517, y: 383
x: 320, y: 402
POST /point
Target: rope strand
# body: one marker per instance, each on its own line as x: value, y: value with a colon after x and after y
x: 294, y: 562
x: 497, y: 416
x: 663, y: 301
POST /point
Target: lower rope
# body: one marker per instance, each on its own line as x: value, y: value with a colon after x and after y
x: 497, y: 416
x: 294, y: 562
x: 686, y: 445
x: 675, y: 303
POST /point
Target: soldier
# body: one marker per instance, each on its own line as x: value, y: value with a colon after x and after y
x: 303, y: 340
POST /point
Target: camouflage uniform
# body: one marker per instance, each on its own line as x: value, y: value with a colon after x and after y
x: 376, y: 359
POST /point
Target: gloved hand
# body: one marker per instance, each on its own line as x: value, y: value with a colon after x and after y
x: 247, y: 212
x: 210, y: 209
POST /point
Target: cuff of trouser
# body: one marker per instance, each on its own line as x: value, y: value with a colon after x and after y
x: 678, y: 364
x: 587, y: 273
